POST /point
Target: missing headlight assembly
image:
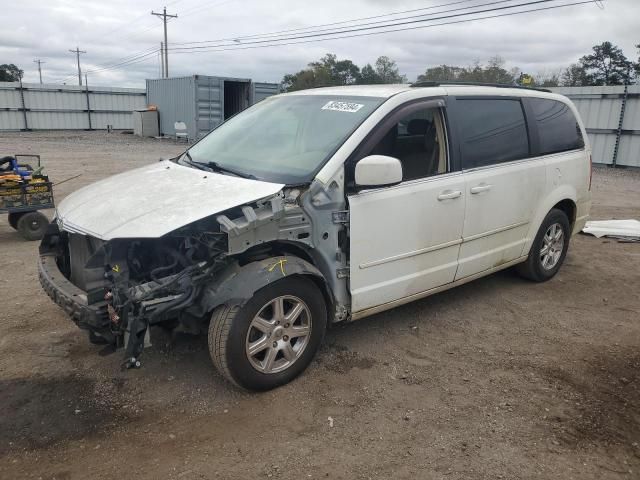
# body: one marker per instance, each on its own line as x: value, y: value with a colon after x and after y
x: 127, y: 285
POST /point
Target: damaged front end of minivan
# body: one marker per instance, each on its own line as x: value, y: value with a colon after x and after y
x: 117, y: 288
x: 129, y: 284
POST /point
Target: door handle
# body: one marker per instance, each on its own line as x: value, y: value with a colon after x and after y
x: 449, y: 194
x: 483, y: 187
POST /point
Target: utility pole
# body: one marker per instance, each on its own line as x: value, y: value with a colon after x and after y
x: 77, y: 51
x: 162, y: 58
x: 39, y: 62
x: 164, y: 16
x: 86, y: 91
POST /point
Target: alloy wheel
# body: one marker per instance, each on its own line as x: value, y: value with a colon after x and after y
x: 552, y: 246
x: 278, y: 334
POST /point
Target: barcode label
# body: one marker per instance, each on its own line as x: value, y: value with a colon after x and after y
x: 342, y: 106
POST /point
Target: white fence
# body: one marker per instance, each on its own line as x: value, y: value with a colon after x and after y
x: 612, y: 118
x: 32, y: 106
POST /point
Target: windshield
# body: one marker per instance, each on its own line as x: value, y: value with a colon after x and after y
x: 283, y: 139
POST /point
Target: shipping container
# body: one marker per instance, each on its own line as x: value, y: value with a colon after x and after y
x: 203, y: 102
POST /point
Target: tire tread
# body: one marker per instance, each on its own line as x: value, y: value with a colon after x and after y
x: 219, y: 331
x: 529, y: 269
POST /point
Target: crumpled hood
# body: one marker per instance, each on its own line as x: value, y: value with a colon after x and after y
x: 151, y: 201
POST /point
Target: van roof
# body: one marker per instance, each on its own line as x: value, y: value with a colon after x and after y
x: 389, y: 90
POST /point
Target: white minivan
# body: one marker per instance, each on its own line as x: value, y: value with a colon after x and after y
x: 320, y: 206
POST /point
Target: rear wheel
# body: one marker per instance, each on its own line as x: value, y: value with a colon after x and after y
x: 272, y: 338
x: 549, y: 248
x: 32, y: 225
x: 13, y: 219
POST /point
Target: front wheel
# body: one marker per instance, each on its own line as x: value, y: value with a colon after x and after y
x: 272, y: 338
x: 548, y: 249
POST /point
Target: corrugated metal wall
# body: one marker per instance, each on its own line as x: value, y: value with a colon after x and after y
x: 64, y: 107
x: 601, y: 109
x: 198, y: 101
x: 263, y: 90
x: 175, y: 99
x: 209, y: 104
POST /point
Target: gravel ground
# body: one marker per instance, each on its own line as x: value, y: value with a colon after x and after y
x: 499, y: 378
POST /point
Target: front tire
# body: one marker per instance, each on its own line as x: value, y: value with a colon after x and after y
x: 272, y: 338
x: 549, y: 248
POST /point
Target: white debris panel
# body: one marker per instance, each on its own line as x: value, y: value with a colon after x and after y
x: 613, y: 228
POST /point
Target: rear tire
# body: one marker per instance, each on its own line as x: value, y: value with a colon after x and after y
x: 32, y: 225
x: 549, y: 248
x: 282, y: 349
x: 13, y: 219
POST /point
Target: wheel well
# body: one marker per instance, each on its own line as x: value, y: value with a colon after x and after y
x: 569, y: 208
x: 270, y: 249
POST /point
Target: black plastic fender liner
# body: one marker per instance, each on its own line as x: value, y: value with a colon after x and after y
x: 237, y: 284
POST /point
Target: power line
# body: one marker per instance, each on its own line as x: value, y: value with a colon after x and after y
x: 338, y: 34
x: 114, y: 63
x: 283, y: 43
x: 77, y: 51
x: 39, y: 62
x: 164, y: 16
x: 132, y: 61
x: 123, y: 59
x: 405, y: 21
x: 311, y: 27
x: 201, y: 7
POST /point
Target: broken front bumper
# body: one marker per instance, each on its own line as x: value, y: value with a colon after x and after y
x: 72, y: 299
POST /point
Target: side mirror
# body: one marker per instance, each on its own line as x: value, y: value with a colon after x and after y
x: 378, y: 170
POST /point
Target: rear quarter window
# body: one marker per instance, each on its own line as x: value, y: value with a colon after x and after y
x: 558, y: 128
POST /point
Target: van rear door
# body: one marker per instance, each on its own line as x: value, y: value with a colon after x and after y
x: 503, y: 183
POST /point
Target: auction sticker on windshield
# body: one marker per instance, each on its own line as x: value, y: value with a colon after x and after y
x: 342, y: 106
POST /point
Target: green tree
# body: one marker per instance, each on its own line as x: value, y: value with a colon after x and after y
x: 553, y: 80
x: 10, y: 73
x: 574, y: 76
x: 494, y: 72
x: 607, y: 65
x: 441, y: 73
x: 339, y: 72
x: 330, y: 71
x: 388, y: 72
x: 638, y: 63
x: 325, y: 72
x: 368, y: 75
x: 544, y: 79
x: 385, y: 70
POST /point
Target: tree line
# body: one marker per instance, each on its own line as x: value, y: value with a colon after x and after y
x: 329, y: 71
x: 606, y: 64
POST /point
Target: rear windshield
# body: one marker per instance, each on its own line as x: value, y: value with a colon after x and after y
x: 284, y: 139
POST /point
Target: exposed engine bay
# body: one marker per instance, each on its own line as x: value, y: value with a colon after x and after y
x: 141, y: 281
x: 177, y: 279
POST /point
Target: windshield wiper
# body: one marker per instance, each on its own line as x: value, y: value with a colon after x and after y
x: 216, y: 167
x: 189, y: 160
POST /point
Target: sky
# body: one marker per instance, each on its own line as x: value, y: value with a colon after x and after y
x: 119, y: 30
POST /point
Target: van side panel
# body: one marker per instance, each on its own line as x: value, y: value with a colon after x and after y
x: 567, y: 178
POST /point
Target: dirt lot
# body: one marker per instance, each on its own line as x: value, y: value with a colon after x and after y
x: 500, y: 378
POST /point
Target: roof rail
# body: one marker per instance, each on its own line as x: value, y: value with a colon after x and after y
x: 431, y: 83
